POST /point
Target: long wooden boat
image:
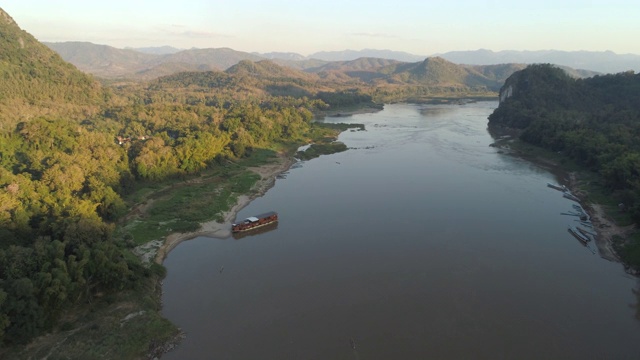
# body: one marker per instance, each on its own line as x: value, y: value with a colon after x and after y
x: 585, y: 232
x: 578, y: 235
x: 558, y: 187
x: 570, y: 196
x: 255, y: 231
x: 255, y: 222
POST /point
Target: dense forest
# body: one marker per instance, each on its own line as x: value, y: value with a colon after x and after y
x: 71, y: 150
x: 594, y: 121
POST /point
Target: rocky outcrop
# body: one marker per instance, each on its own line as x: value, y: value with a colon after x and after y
x: 506, y: 92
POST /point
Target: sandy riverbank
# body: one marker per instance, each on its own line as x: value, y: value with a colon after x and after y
x: 222, y: 230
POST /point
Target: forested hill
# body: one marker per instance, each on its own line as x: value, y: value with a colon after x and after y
x: 70, y: 153
x: 595, y: 121
x: 35, y: 79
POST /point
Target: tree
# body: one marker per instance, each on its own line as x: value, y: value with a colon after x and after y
x: 156, y: 161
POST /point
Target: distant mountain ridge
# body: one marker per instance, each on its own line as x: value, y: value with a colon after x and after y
x: 348, y: 55
x: 597, y: 61
x: 101, y: 60
x: 600, y: 61
x: 110, y: 62
x: 282, y: 56
x: 156, y: 50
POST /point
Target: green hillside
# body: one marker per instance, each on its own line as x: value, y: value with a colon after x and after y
x: 35, y: 79
x: 594, y: 122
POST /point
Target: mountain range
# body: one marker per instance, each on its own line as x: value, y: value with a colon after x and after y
x: 285, y: 75
x: 150, y: 63
x: 597, y: 61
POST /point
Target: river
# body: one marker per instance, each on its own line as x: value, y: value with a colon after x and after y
x: 420, y: 242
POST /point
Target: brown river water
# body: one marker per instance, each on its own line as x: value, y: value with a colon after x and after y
x: 420, y: 242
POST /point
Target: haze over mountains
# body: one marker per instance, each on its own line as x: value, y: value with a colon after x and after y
x: 150, y: 63
x: 598, y: 61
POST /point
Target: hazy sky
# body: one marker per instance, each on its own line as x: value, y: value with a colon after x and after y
x: 422, y: 27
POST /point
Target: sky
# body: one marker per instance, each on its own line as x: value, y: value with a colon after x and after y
x: 422, y: 27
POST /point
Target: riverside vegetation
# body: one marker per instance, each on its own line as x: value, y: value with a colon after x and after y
x: 80, y: 158
x: 590, y: 125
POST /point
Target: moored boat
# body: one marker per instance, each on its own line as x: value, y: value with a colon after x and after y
x: 558, y: 187
x: 570, y: 196
x: 578, y: 235
x: 255, y: 222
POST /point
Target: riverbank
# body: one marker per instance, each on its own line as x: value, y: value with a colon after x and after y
x: 222, y: 230
x: 609, y: 233
x: 605, y: 227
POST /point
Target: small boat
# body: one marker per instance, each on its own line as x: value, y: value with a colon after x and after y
x: 571, y: 197
x: 255, y: 222
x: 255, y: 231
x: 578, y: 235
x: 557, y: 187
x: 571, y: 213
x: 585, y: 223
x: 585, y: 232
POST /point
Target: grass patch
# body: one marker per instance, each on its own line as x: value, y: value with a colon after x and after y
x: 259, y: 157
x: 183, y: 208
x: 143, y: 193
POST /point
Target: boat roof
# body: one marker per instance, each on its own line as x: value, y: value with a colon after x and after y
x: 261, y: 216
